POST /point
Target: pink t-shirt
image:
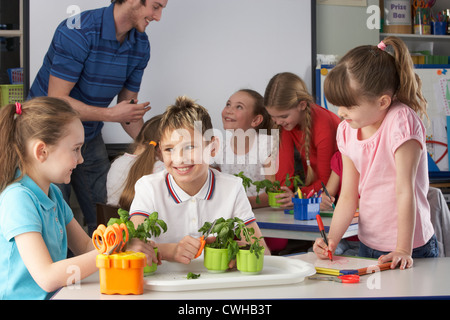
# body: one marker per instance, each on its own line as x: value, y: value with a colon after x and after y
x: 375, y: 162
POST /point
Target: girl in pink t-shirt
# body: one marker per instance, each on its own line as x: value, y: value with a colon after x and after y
x: 382, y: 141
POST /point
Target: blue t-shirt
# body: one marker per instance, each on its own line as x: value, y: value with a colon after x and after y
x: 24, y: 207
x: 93, y: 59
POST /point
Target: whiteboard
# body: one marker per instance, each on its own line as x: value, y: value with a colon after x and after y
x: 204, y: 49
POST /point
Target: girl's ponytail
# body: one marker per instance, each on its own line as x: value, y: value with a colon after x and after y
x: 310, y: 175
x: 145, y: 161
x: 10, y: 157
x: 410, y: 87
x: 371, y: 71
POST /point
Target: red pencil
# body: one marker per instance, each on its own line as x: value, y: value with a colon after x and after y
x: 324, y: 236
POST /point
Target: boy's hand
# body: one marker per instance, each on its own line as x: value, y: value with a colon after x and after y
x: 187, y: 248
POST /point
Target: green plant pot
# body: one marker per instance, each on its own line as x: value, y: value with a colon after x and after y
x: 248, y: 263
x: 272, y: 200
x: 216, y: 260
x: 148, y: 270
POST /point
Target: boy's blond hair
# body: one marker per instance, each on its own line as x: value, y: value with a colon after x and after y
x: 183, y: 115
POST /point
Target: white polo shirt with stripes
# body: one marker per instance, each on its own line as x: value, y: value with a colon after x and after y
x: 222, y: 195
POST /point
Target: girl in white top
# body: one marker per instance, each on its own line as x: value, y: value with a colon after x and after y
x: 249, y: 146
x: 128, y: 168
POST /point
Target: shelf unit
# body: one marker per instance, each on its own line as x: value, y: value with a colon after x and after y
x: 436, y: 44
x: 18, y: 33
x: 418, y: 37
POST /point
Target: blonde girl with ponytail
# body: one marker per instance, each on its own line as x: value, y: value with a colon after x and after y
x: 305, y: 126
x: 144, y: 157
x: 384, y: 156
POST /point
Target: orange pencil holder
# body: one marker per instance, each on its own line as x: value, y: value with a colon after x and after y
x: 121, y: 273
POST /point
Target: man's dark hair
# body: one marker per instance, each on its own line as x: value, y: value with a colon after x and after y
x: 122, y: 1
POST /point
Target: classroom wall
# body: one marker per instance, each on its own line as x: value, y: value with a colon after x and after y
x: 341, y: 28
x: 205, y: 49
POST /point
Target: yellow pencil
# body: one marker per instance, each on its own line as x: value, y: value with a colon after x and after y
x: 332, y: 272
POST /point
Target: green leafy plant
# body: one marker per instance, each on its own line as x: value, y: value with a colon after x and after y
x: 269, y: 186
x: 225, y: 234
x: 227, y: 231
x: 253, y: 242
x: 293, y: 180
x: 152, y: 226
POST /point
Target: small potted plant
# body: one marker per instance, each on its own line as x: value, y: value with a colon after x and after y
x: 250, y: 258
x: 151, y: 226
x: 272, y: 188
x: 218, y: 254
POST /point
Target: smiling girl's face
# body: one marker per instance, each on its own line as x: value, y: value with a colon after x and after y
x: 239, y: 112
x: 288, y: 119
x: 55, y: 163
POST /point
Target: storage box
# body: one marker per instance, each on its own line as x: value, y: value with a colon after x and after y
x: 121, y: 273
x: 15, y: 75
x: 306, y: 209
x: 11, y: 93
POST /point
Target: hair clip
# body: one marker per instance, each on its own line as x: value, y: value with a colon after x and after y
x: 153, y: 143
x: 18, y: 110
x: 381, y: 46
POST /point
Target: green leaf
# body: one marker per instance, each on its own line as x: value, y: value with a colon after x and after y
x: 123, y: 214
x: 191, y: 275
x: 162, y: 224
x: 114, y: 220
x: 223, y: 233
x: 287, y: 181
x: 153, y: 216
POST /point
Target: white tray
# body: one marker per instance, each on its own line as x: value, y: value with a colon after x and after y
x: 171, y: 276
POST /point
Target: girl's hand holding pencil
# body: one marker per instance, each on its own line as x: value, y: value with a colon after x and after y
x: 321, y: 249
x: 327, y: 202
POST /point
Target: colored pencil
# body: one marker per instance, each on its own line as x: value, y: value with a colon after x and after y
x: 367, y: 270
x: 328, y: 195
x: 324, y: 236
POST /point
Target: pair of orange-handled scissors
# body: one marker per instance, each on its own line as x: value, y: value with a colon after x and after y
x: 348, y: 278
x: 111, y: 239
x: 203, y: 240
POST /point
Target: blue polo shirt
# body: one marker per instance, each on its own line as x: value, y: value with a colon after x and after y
x: 95, y: 61
x: 24, y: 207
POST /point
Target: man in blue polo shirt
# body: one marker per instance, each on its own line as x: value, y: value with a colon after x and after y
x: 89, y: 64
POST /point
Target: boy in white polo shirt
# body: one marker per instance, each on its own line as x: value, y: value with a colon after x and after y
x: 188, y: 192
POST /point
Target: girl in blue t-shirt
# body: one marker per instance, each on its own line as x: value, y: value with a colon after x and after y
x: 41, y: 141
